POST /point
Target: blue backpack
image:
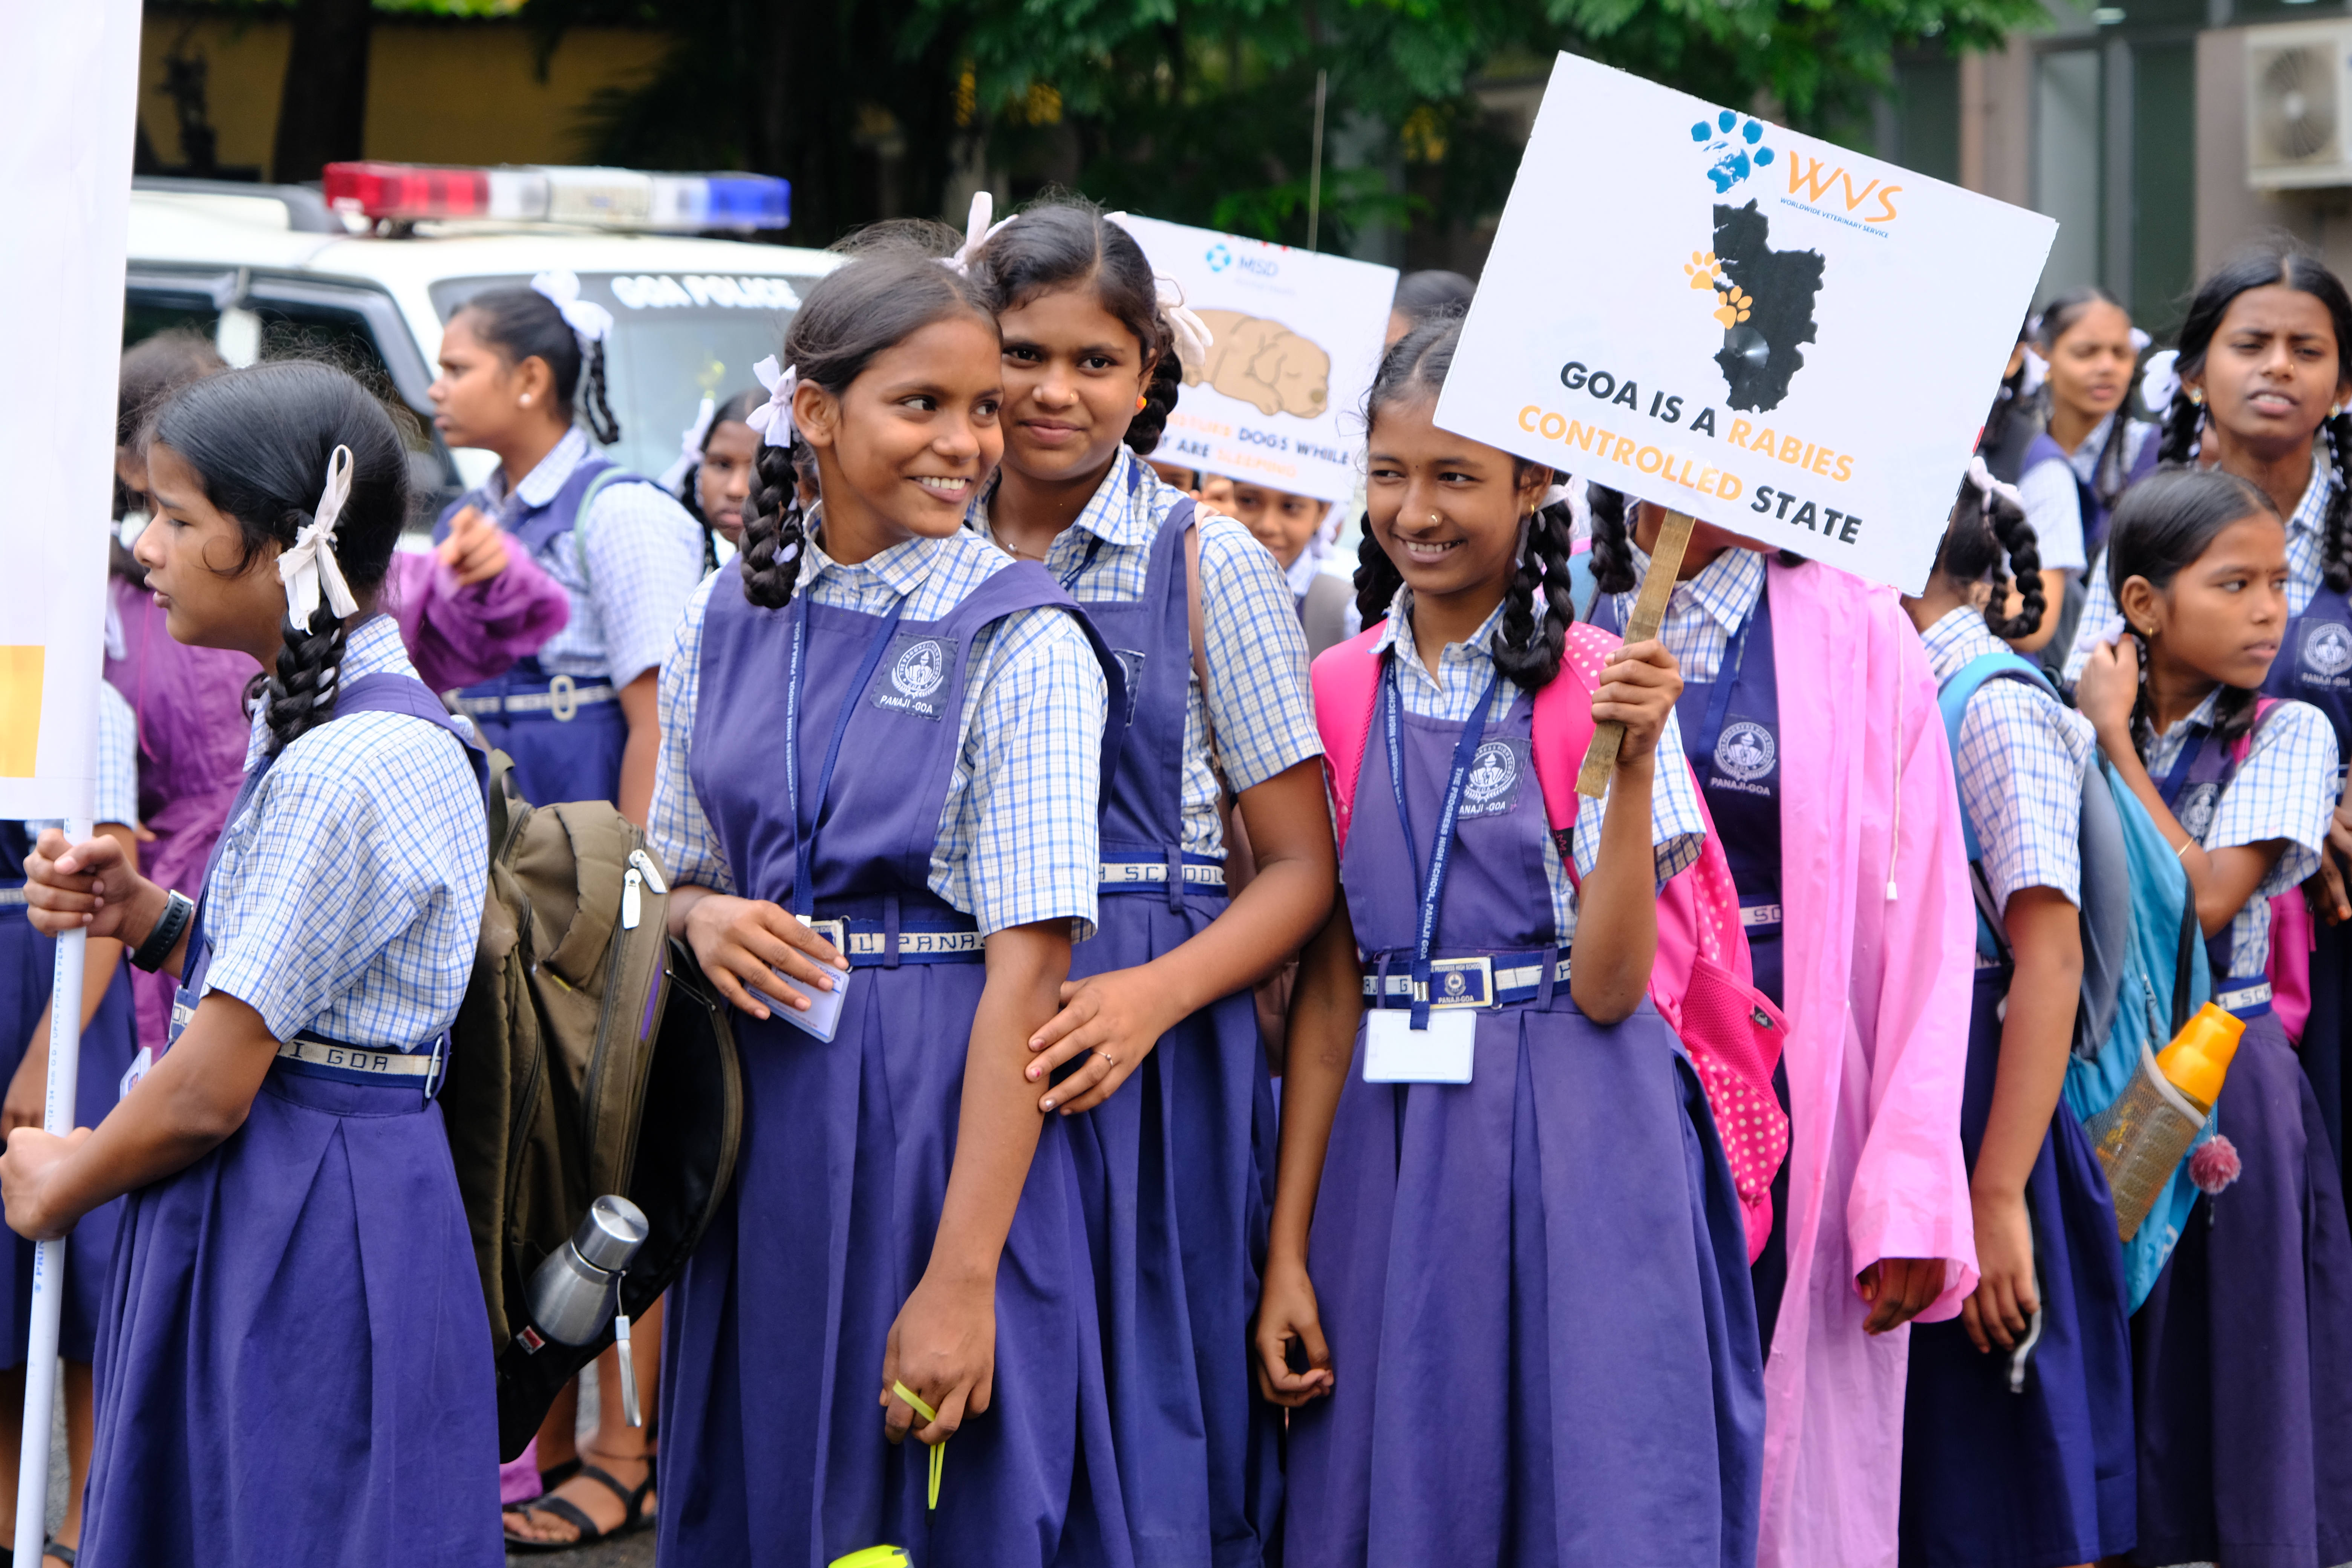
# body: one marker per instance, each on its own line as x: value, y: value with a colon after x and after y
x: 2143, y: 967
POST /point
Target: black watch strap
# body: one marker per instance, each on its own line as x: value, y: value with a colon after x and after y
x: 178, y: 910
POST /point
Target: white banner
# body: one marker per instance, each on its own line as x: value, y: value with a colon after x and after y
x: 1774, y: 334
x: 69, y: 91
x: 1298, y: 336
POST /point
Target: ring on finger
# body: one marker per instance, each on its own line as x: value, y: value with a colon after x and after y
x: 1107, y: 1057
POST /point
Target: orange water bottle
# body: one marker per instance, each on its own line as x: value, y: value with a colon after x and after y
x: 2141, y: 1138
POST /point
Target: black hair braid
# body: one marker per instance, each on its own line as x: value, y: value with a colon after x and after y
x: 301, y: 693
x: 2335, y: 537
x: 1377, y: 578
x: 773, y: 530
x: 1529, y: 651
x: 2143, y: 714
x: 2024, y: 552
x: 2181, y: 419
x: 1144, y: 430
x: 2107, y: 475
x: 594, y: 405
x: 1612, y: 541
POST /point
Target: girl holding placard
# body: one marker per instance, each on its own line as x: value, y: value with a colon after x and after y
x: 1478, y: 1204
x: 1835, y: 805
x: 1171, y: 1108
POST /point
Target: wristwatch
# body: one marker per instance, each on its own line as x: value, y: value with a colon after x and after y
x: 178, y: 910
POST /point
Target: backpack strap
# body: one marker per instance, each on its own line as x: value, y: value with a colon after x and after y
x: 1563, y: 727
x: 1953, y: 697
x: 2244, y: 746
x: 611, y: 474
x: 1346, y: 677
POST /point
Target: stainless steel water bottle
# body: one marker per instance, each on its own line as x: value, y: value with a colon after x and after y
x: 571, y: 1294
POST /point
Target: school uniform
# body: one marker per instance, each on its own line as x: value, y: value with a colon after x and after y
x: 1177, y: 1167
x: 2059, y: 490
x: 2043, y: 1476
x: 940, y: 742
x: 629, y: 557
x: 294, y: 1365
x: 1534, y: 1285
x: 109, y: 1041
x: 2243, y: 1348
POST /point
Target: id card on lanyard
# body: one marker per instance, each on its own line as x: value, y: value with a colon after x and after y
x: 1419, y: 1045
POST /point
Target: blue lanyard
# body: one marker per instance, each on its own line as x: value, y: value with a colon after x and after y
x: 803, y: 870
x: 1718, y: 698
x: 1441, y: 851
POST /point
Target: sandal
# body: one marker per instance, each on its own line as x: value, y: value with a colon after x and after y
x: 555, y: 1476
x: 634, y: 1519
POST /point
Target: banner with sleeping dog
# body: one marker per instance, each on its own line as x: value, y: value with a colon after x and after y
x: 1298, y: 336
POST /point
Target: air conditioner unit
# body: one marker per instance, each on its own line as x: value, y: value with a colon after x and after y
x: 2298, y: 103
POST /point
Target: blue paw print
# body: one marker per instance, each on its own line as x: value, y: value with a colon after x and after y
x: 1734, y: 145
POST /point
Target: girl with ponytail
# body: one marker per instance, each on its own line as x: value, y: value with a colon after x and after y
x: 518, y: 367
x: 1803, y: 687
x: 2040, y: 1476
x: 2243, y: 1347
x: 295, y: 1320
x: 1168, y: 1087
x: 1426, y: 1225
x: 882, y: 749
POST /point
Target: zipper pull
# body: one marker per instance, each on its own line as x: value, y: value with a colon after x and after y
x: 644, y: 863
x: 631, y: 900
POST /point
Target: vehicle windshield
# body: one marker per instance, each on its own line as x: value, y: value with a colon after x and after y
x: 676, y: 337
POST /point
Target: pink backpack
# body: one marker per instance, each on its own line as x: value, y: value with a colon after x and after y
x: 2292, y: 937
x: 1703, y: 983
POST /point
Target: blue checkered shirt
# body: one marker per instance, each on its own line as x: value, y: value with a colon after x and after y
x: 2102, y: 623
x: 1017, y: 841
x: 628, y: 566
x: 2052, y: 503
x: 349, y: 892
x: 1705, y: 613
x: 1259, y: 703
x: 1677, y: 828
x: 2020, y: 762
x: 2285, y: 789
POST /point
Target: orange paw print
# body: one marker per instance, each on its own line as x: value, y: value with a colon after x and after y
x: 1735, y: 308
x: 1703, y: 270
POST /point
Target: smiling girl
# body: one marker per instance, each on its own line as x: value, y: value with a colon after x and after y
x: 1506, y: 1297
x: 2243, y: 1348
x: 904, y: 1220
x: 1170, y: 1106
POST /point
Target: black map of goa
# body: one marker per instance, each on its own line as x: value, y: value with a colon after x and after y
x: 1760, y: 355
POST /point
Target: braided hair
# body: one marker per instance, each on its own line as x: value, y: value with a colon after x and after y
x: 859, y: 310
x: 2058, y: 318
x: 2163, y: 525
x: 1538, y: 607
x: 1065, y: 242
x: 260, y: 441
x: 2287, y: 266
x: 523, y: 324
x: 1988, y: 530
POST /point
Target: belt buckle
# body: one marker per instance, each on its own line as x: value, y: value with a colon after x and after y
x: 561, y: 704
x: 833, y: 932
x: 1462, y: 982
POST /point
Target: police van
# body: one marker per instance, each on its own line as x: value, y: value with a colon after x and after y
x: 366, y: 270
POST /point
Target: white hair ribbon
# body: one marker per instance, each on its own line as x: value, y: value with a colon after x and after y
x: 1981, y: 477
x: 309, y: 564
x: 1193, y: 338
x: 2159, y: 380
x: 2037, y: 371
x: 560, y: 287
x: 2139, y: 340
x: 1580, y: 508
x: 977, y: 231
x: 773, y: 418
x: 689, y: 446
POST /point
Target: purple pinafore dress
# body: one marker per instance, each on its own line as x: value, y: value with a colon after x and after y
x: 28, y: 973
x: 564, y: 748
x: 2242, y: 1350
x: 1534, y: 1285
x: 772, y: 1446
x: 294, y: 1366
x: 1176, y: 1166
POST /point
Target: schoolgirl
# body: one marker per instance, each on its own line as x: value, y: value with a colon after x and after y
x: 109, y: 1042
x: 1835, y: 805
x: 2243, y: 1348
x: 294, y: 1363
x: 2264, y: 374
x: 1477, y: 1209
x: 578, y: 717
x: 1173, y: 1108
x: 1996, y: 1475
x: 715, y: 470
x: 904, y: 1247
x: 1300, y: 532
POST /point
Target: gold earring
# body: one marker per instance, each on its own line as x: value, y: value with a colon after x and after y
x: 2335, y: 409
x: 2196, y: 399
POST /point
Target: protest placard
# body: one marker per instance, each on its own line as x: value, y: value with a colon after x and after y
x: 1298, y: 336
x: 1774, y: 334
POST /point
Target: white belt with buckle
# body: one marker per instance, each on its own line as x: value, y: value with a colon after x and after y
x: 911, y: 944
x: 16, y: 896
x: 562, y: 699
x: 350, y: 1059
x: 1753, y: 915
x: 1459, y: 982
x: 1113, y: 872
x: 2244, y: 996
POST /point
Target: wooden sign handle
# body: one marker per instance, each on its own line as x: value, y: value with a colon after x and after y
x: 1649, y: 611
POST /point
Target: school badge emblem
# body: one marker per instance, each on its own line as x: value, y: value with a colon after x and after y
x: 1493, y: 771
x: 1456, y: 987
x: 1745, y: 751
x: 2196, y: 811
x: 2327, y: 648
x: 920, y: 669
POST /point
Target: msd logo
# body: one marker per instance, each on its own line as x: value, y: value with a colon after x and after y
x: 1221, y: 258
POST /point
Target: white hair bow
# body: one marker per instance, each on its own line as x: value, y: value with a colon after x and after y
x: 2037, y: 371
x: 2159, y: 380
x: 308, y: 564
x: 1981, y: 477
x: 560, y: 287
x: 977, y: 231
x: 1193, y: 338
x: 1579, y: 507
x: 689, y: 446
x: 773, y: 418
